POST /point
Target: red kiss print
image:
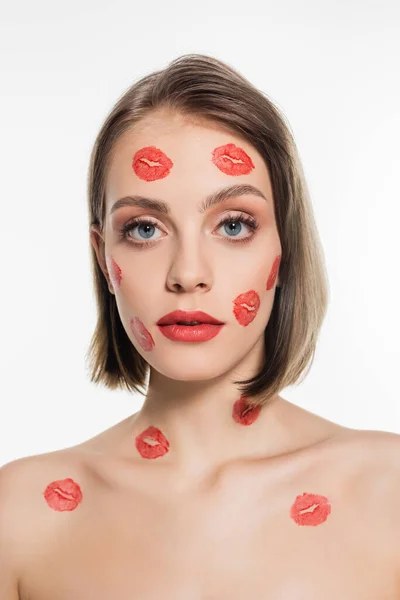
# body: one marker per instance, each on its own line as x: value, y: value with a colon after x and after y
x: 151, y: 172
x: 245, y: 307
x: 316, y: 516
x: 273, y: 273
x: 63, y: 494
x: 223, y: 157
x: 243, y: 413
x: 147, y: 450
x: 142, y: 335
x: 115, y: 273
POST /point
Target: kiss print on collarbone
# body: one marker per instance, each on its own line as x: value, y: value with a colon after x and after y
x: 151, y: 172
x: 63, y: 494
x: 142, y: 335
x: 273, y: 273
x: 232, y: 160
x: 310, y: 509
x: 245, y: 307
x: 152, y: 443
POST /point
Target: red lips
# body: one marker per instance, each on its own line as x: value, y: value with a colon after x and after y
x: 191, y: 315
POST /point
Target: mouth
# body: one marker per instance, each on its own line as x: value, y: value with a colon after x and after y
x: 188, y: 318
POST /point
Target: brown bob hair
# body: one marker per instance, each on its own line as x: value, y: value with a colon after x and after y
x: 196, y: 85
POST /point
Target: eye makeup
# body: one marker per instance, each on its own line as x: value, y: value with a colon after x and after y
x: 248, y: 220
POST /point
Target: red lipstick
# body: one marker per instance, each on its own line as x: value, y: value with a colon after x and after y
x: 224, y: 156
x: 142, y: 168
x: 243, y: 413
x: 115, y: 273
x: 273, y: 273
x: 316, y: 516
x: 175, y: 326
x: 63, y: 494
x: 245, y: 307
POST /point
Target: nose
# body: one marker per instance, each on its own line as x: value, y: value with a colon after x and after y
x: 189, y: 270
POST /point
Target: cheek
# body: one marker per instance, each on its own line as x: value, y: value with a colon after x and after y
x: 152, y: 443
x: 245, y: 307
x: 63, y: 494
x: 273, y: 273
x: 151, y: 163
x: 232, y: 160
x: 142, y: 335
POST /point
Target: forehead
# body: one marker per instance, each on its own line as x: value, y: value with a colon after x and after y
x: 189, y: 144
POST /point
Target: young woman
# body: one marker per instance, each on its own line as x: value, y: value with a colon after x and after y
x: 211, y: 291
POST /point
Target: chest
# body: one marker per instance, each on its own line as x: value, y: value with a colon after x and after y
x: 232, y: 545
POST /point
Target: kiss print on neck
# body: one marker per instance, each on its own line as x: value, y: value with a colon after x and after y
x: 243, y: 413
x: 245, y: 307
x: 114, y: 272
x: 232, y: 160
x: 156, y: 445
x: 63, y: 494
x: 273, y: 273
x: 310, y: 509
x: 142, y: 335
x: 151, y: 172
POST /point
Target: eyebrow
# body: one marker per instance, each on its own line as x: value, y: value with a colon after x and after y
x: 213, y: 199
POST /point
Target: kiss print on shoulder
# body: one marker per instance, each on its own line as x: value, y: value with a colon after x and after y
x: 245, y: 307
x: 142, y: 334
x: 243, y: 413
x: 232, y: 160
x: 273, y: 273
x: 152, y: 443
x: 310, y: 509
x: 63, y: 494
x: 151, y: 172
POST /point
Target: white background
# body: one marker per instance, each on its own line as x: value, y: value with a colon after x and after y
x: 332, y: 68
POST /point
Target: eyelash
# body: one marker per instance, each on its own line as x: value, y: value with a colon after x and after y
x: 242, y: 218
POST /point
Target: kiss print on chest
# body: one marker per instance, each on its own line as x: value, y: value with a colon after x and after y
x: 232, y: 160
x: 63, y: 494
x: 245, y: 307
x: 114, y: 272
x: 273, y: 273
x: 142, y: 335
x: 243, y: 413
x: 152, y: 443
x: 310, y: 509
x: 160, y: 165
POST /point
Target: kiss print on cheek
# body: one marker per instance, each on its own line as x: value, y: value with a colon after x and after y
x: 273, y: 273
x: 150, y: 172
x: 63, y: 494
x: 142, y: 335
x: 310, y: 509
x: 115, y: 273
x: 243, y: 413
x: 245, y: 307
x: 224, y: 158
x: 156, y: 446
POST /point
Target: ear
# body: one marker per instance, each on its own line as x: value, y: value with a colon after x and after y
x: 97, y: 241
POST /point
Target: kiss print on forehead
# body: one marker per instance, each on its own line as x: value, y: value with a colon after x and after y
x: 156, y: 445
x: 63, y: 494
x: 114, y: 272
x: 245, y: 307
x: 151, y: 172
x: 232, y: 160
x: 243, y: 413
x: 142, y: 335
x: 273, y: 273
x: 310, y: 509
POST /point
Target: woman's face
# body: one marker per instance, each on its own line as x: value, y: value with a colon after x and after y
x: 184, y: 258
